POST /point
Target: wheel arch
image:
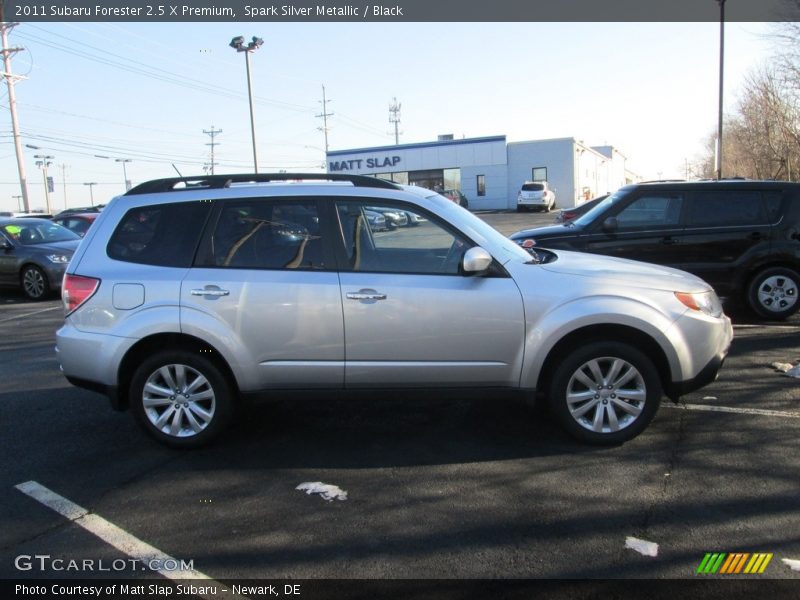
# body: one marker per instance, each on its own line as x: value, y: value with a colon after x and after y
x: 167, y: 341
x: 604, y: 332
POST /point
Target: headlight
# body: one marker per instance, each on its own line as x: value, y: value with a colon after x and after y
x: 706, y: 302
x: 59, y: 259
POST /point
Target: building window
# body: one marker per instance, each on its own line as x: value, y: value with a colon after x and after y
x: 539, y: 174
x: 481, y: 183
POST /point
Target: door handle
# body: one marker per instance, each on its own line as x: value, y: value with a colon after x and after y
x: 669, y: 241
x: 365, y: 295
x: 211, y: 292
x: 755, y: 236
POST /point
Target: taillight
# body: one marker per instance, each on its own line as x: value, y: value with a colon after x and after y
x: 76, y: 289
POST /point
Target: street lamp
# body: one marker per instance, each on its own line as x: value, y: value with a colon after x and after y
x: 43, y: 163
x: 91, y: 187
x: 238, y: 44
x: 124, y: 171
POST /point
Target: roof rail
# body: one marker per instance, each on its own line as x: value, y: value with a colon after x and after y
x: 224, y: 181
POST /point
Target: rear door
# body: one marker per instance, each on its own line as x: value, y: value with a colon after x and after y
x: 264, y: 285
x: 725, y: 229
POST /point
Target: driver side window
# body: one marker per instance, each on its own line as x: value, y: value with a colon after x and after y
x: 394, y: 239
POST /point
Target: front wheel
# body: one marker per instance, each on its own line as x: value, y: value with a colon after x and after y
x: 772, y: 293
x: 181, y: 399
x: 34, y: 283
x: 605, y: 392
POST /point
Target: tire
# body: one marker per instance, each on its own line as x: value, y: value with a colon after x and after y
x: 193, y: 417
x: 615, y: 412
x: 519, y: 208
x: 34, y: 283
x: 772, y: 293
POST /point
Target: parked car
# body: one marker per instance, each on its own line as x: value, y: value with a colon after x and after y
x: 567, y: 214
x: 742, y: 237
x: 34, y: 254
x: 96, y: 208
x: 536, y: 194
x: 76, y: 222
x: 456, y: 196
x: 181, y: 323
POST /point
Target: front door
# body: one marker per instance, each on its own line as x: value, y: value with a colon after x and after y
x: 411, y: 319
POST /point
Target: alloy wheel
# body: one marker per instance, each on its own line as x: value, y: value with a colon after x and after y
x: 178, y: 400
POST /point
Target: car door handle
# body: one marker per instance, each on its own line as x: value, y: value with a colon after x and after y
x: 755, y: 236
x: 211, y: 292
x: 669, y: 241
x: 366, y: 295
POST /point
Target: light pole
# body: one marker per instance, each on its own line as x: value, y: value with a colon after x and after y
x: 91, y: 187
x: 721, y: 71
x: 43, y: 163
x: 237, y: 44
x: 124, y: 171
x: 19, y: 204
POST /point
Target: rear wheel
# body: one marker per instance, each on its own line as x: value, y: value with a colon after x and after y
x: 181, y: 399
x: 34, y: 282
x: 605, y: 392
x: 772, y: 293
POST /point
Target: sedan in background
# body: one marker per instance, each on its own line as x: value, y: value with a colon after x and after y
x: 34, y: 253
x: 567, y: 214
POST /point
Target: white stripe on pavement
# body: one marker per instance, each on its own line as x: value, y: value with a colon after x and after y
x: 36, y: 312
x: 794, y: 565
x: 744, y: 411
x: 115, y: 536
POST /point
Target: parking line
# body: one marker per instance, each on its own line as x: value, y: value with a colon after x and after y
x: 115, y: 536
x: 744, y: 411
x: 36, y: 312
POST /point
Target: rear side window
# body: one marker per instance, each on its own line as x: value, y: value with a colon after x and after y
x: 726, y: 208
x: 266, y: 234
x: 164, y: 235
x: 652, y: 210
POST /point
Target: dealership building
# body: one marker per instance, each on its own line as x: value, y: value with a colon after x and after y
x: 489, y: 171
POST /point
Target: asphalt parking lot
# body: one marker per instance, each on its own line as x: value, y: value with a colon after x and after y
x: 438, y: 485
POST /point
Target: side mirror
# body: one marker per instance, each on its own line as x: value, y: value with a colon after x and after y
x: 610, y: 225
x: 476, y: 260
x: 5, y: 245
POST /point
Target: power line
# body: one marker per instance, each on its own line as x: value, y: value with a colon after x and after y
x: 324, y: 115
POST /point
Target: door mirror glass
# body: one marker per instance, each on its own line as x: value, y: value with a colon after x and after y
x: 476, y: 260
x: 610, y: 225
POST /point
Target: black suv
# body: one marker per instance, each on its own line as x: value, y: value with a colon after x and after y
x: 742, y: 237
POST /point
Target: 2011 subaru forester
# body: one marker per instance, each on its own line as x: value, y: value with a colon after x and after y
x: 189, y: 294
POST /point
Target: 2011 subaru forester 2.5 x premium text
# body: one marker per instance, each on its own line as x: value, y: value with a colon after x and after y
x: 188, y: 295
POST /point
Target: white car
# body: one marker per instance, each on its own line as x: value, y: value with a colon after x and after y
x: 536, y: 194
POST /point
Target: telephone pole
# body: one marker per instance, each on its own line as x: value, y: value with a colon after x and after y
x: 394, y: 117
x: 11, y: 79
x: 212, y: 133
x: 324, y: 115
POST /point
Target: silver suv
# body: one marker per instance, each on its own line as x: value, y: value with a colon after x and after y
x: 189, y: 295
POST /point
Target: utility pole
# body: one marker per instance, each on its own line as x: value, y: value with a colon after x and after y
x: 394, y: 117
x: 212, y: 133
x: 324, y: 115
x: 91, y: 193
x: 11, y: 79
x: 19, y: 204
x: 721, y: 87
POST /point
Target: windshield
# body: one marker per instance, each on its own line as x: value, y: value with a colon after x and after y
x: 472, y: 224
x: 30, y: 233
x: 598, y: 209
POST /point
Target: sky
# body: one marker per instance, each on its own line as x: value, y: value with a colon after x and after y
x: 146, y: 92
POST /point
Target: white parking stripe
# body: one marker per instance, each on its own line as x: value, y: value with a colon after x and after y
x: 115, y: 536
x: 794, y: 565
x: 744, y: 411
x: 23, y: 315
